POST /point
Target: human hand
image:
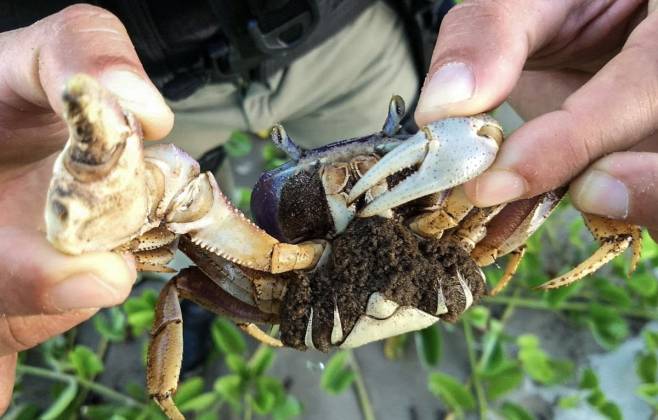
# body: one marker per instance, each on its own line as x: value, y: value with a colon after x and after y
x: 43, y: 292
x: 585, y: 75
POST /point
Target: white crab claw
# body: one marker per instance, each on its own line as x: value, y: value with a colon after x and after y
x: 450, y: 152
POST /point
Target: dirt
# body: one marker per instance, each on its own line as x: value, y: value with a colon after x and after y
x: 376, y: 255
x: 304, y: 212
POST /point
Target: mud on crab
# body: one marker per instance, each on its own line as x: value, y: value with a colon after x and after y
x: 358, y: 240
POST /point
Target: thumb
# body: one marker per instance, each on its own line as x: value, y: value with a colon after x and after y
x: 480, y: 52
x: 621, y: 186
x: 36, y: 279
x: 37, y: 60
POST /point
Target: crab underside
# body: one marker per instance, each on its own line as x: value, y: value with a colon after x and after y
x: 356, y: 241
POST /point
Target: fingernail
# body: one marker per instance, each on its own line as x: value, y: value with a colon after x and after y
x: 498, y: 186
x: 453, y: 82
x: 135, y: 93
x: 602, y: 194
x: 83, y: 291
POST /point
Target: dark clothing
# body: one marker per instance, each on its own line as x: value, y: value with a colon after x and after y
x: 184, y: 45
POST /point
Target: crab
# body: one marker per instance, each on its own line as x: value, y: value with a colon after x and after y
x: 331, y: 217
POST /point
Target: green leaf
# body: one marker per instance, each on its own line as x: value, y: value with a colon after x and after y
x: 64, y: 399
x: 596, y: 398
x: 288, y: 409
x: 538, y: 365
x: 493, y: 355
x: 22, y: 411
x: 198, y: 403
x: 508, y: 379
x: 644, y: 284
x: 227, y: 337
x: 478, y: 316
x: 237, y: 364
x: 451, y: 392
x: 646, y: 366
x: 85, y: 362
x: 191, y: 388
x: 608, y: 327
x: 650, y: 339
x: 649, y: 247
x: 429, y: 344
x: 269, y: 391
x: 140, y: 312
x: 569, y: 402
x: 612, y: 293
x: 53, y: 351
x: 261, y: 361
x: 556, y: 297
x: 588, y: 380
x: 238, y: 145
x: 230, y: 388
x: 512, y: 411
x: 337, y: 377
x: 649, y: 393
x: 611, y: 411
x: 111, y: 324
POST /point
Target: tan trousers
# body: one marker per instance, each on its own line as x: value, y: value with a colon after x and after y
x: 339, y: 90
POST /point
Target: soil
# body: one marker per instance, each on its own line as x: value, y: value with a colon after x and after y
x: 303, y: 211
x: 376, y: 255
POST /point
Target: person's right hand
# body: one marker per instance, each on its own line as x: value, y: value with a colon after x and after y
x: 583, y: 73
x: 43, y: 292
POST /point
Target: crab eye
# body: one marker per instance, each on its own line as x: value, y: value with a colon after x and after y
x: 491, y: 131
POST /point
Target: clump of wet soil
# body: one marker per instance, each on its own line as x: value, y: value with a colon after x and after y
x: 376, y: 255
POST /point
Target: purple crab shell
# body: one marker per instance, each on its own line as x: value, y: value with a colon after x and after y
x: 289, y: 201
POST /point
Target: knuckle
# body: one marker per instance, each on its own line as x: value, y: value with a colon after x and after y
x: 477, y: 27
x: 79, y: 12
x: 79, y: 19
x: 12, y: 337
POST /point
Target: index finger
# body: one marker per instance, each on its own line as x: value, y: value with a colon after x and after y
x: 614, y: 110
x: 36, y: 61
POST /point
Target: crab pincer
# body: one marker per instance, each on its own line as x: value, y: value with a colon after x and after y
x: 447, y: 152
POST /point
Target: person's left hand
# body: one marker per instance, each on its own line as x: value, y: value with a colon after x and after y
x: 43, y: 292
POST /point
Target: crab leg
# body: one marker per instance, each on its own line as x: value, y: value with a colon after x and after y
x: 615, y: 236
x: 455, y: 207
x: 165, y: 350
x: 473, y: 227
x: 450, y: 152
x: 512, y: 227
x: 510, y: 269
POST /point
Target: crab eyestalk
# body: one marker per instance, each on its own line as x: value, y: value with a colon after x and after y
x: 99, y: 178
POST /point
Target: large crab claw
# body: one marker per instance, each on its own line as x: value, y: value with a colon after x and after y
x: 107, y: 193
x: 450, y: 152
x: 99, y: 177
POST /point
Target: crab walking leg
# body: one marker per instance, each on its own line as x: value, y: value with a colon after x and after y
x: 450, y: 152
x: 510, y: 269
x: 432, y: 225
x: 165, y: 350
x: 512, y: 227
x: 615, y: 236
x: 260, y: 335
x: 474, y: 226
